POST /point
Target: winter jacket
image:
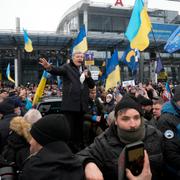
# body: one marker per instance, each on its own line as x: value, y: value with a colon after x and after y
x: 4, y: 128
x: 54, y: 161
x: 94, y: 108
x: 107, y: 147
x: 16, y: 150
x: 75, y: 94
x: 169, y: 124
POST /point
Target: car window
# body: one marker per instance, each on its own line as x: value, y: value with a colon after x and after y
x: 49, y: 108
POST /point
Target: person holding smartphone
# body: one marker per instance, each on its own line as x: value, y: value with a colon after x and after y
x: 100, y: 159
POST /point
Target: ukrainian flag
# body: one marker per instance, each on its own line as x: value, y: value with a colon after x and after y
x: 80, y: 43
x: 40, y: 88
x: 112, y: 71
x: 139, y: 27
x: 28, y: 43
x: 8, y: 74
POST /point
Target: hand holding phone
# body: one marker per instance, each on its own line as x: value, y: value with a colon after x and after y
x: 146, y: 172
x: 134, y: 157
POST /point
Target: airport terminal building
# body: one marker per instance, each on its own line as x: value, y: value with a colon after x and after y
x: 105, y: 25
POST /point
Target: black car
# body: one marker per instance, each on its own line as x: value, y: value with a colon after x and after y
x: 50, y: 105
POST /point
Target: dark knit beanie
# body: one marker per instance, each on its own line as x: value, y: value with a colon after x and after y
x: 126, y: 103
x: 144, y: 101
x: 7, y: 106
x: 177, y: 93
x: 50, y: 128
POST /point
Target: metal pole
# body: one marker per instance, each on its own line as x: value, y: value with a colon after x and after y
x: 17, y: 63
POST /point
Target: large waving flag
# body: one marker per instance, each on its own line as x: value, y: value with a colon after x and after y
x: 80, y: 43
x: 112, y: 71
x: 27, y: 41
x: 139, y: 27
x: 8, y: 74
x: 130, y: 57
x: 173, y: 43
x: 40, y: 88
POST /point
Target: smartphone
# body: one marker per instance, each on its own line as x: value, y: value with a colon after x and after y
x: 134, y: 157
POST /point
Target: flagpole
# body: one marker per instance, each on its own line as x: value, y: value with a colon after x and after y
x: 157, y: 49
x: 146, y: 4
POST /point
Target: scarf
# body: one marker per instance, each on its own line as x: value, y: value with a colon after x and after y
x: 132, y: 135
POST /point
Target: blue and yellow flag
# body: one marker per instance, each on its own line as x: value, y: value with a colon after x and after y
x: 8, y: 74
x: 167, y: 86
x: 112, y: 71
x: 27, y: 41
x: 80, y: 43
x: 40, y: 88
x: 139, y: 27
x: 130, y: 57
x: 173, y: 43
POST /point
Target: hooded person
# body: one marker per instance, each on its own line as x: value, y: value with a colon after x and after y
x: 7, y: 110
x: 109, y: 104
x: 17, y: 148
x: 100, y: 159
x: 169, y: 124
x: 50, y: 157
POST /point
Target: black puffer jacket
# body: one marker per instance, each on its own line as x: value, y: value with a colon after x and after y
x: 53, y: 162
x: 4, y: 128
x: 107, y: 147
x: 75, y: 94
x: 169, y: 124
x: 16, y: 150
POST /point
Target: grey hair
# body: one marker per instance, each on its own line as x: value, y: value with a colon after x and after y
x: 32, y: 116
x: 76, y: 52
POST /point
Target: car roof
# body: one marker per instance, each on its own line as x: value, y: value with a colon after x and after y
x: 51, y: 99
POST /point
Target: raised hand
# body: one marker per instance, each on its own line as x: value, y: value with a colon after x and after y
x: 44, y: 63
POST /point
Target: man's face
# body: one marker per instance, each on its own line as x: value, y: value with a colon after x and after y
x: 157, y: 110
x: 34, y: 146
x: 128, y: 120
x: 92, y: 95
x: 78, y: 59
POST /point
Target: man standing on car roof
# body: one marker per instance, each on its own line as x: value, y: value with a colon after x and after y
x: 76, y: 83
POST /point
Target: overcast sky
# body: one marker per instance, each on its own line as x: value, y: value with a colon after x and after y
x: 45, y: 15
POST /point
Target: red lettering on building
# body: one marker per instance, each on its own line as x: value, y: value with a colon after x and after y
x: 118, y: 2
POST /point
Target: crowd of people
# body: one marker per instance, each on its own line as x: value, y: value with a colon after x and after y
x: 87, y: 138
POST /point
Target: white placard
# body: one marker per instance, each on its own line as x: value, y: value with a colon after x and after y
x: 128, y: 83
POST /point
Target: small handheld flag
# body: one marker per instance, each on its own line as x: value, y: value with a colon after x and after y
x: 27, y: 41
x: 8, y: 74
x: 40, y: 88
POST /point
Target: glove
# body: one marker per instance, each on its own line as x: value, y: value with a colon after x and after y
x: 94, y: 118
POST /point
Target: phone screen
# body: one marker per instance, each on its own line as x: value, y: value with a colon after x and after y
x: 135, y: 159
